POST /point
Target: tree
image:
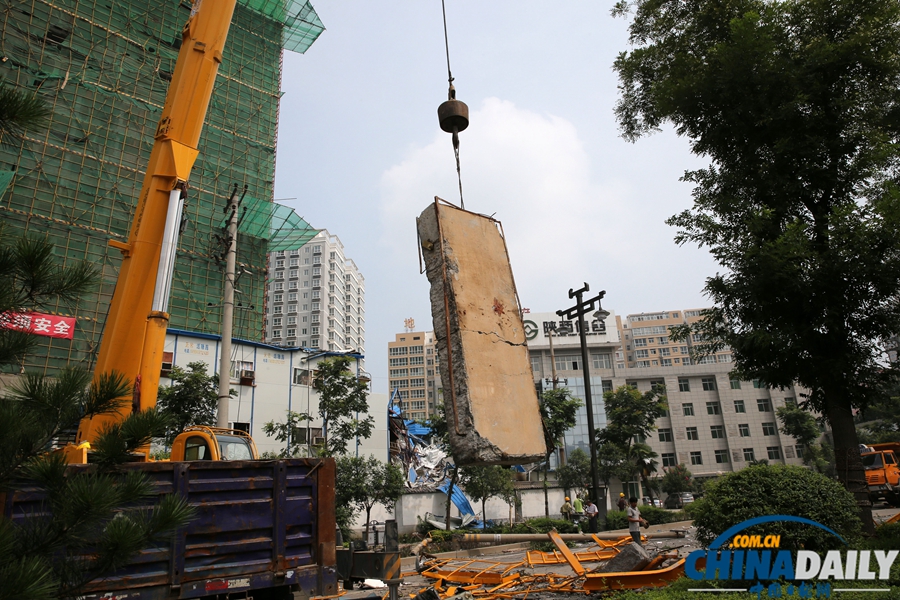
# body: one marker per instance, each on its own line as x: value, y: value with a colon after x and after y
x: 31, y: 278
x: 676, y: 479
x: 558, y: 412
x: 94, y: 520
x: 288, y: 433
x: 485, y: 482
x: 364, y: 482
x: 631, y: 416
x: 794, y: 104
x: 190, y: 400
x: 342, y: 397
x: 576, y: 473
x: 642, y: 461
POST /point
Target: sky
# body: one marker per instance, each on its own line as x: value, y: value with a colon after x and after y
x: 360, y: 153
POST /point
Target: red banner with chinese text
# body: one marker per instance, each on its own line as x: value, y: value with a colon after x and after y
x: 39, y: 324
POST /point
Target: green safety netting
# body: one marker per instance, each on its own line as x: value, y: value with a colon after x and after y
x: 301, y: 23
x: 280, y: 225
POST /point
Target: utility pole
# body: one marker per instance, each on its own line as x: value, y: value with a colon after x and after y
x: 234, y: 203
x: 578, y: 311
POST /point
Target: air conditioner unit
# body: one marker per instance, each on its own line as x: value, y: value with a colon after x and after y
x: 318, y: 441
x: 165, y: 369
x: 247, y: 377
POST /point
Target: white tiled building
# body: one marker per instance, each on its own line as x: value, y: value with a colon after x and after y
x: 316, y: 298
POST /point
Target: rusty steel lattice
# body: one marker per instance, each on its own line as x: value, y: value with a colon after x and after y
x: 485, y: 579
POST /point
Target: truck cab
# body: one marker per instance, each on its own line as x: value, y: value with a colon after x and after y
x: 200, y: 442
x: 882, y: 471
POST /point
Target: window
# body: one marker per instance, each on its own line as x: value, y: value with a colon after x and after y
x: 294, y: 262
x: 709, y: 384
x: 739, y: 406
x: 292, y: 332
x: 292, y: 321
x: 790, y: 402
x: 277, y: 310
x: 279, y: 286
x: 684, y: 385
x: 744, y: 429
x: 640, y: 342
x: 696, y: 458
x: 757, y: 384
x: 536, y: 364
x: 735, y: 384
x: 292, y: 308
x: 774, y: 452
x: 642, y: 354
x: 278, y: 297
x: 692, y: 433
x: 768, y: 428
x: 717, y: 432
x: 569, y: 362
x: 293, y: 273
x: 397, y: 351
x: 749, y: 456
x: 721, y: 456
x: 276, y: 321
x: 641, y: 364
x: 713, y: 408
x: 601, y: 361
x: 665, y: 435
x: 799, y: 450
x: 279, y: 264
x: 668, y: 459
x: 764, y: 405
x: 664, y: 352
x: 688, y: 409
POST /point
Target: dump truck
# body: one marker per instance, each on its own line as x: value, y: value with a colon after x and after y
x: 882, y: 472
x: 263, y: 527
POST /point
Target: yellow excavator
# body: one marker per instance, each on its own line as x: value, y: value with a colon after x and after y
x: 135, y: 331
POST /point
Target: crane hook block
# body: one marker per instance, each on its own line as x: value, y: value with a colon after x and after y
x: 453, y: 115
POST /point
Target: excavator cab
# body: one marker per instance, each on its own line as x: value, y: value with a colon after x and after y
x: 213, y: 443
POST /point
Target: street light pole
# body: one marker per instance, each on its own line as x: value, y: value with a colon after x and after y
x: 579, y: 310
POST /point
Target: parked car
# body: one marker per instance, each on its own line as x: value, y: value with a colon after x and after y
x: 678, y: 500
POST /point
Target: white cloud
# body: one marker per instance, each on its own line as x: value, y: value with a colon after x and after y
x: 563, y: 227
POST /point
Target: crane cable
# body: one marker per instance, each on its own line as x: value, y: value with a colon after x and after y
x: 451, y: 95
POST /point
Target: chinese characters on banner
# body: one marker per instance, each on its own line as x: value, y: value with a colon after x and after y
x: 39, y: 324
x: 563, y: 328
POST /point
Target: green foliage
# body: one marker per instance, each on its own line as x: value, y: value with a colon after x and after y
x: 779, y: 490
x: 887, y: 537
x: 32, y: 278
x: 288, y: 433
x: 91, y: 521
x: 631, y: 415
x: 658, y: 516
x: 94, y: 520
x: 616, y: 519
x: 576, y: 473
x: 191, y: 399
x: 794, y: 105
x: 676, y: 479
x: 363, y: 482
x: 342, y: 396
x: 20, y: 111
x: 485, y: 482
x: 799, y: 424
x: 558, y: 410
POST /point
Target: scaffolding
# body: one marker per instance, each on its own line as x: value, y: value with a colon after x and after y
x: 103, y: 67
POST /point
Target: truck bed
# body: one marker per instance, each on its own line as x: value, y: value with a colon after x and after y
x: 260, y: 524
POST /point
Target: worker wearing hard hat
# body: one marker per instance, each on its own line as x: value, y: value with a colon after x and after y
x: 622, y: 503
x: 567, y: 510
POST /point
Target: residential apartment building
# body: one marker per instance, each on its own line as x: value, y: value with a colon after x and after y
x: 316, y: 298
x: 414, y: 374
x: 715, y: 424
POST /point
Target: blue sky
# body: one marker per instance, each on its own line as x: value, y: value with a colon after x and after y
x: 360, y: 153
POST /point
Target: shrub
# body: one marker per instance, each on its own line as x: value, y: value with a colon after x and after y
x: 657, y: 516
x: 616, y: 519
x: 887, y: 537
x: 779, y: 490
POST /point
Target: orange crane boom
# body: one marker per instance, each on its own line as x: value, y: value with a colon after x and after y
x: 135, y: 329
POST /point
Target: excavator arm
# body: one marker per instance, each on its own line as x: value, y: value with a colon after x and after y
x: 135, y: 329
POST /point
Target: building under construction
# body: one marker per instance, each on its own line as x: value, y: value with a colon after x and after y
x: 103, y: 67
